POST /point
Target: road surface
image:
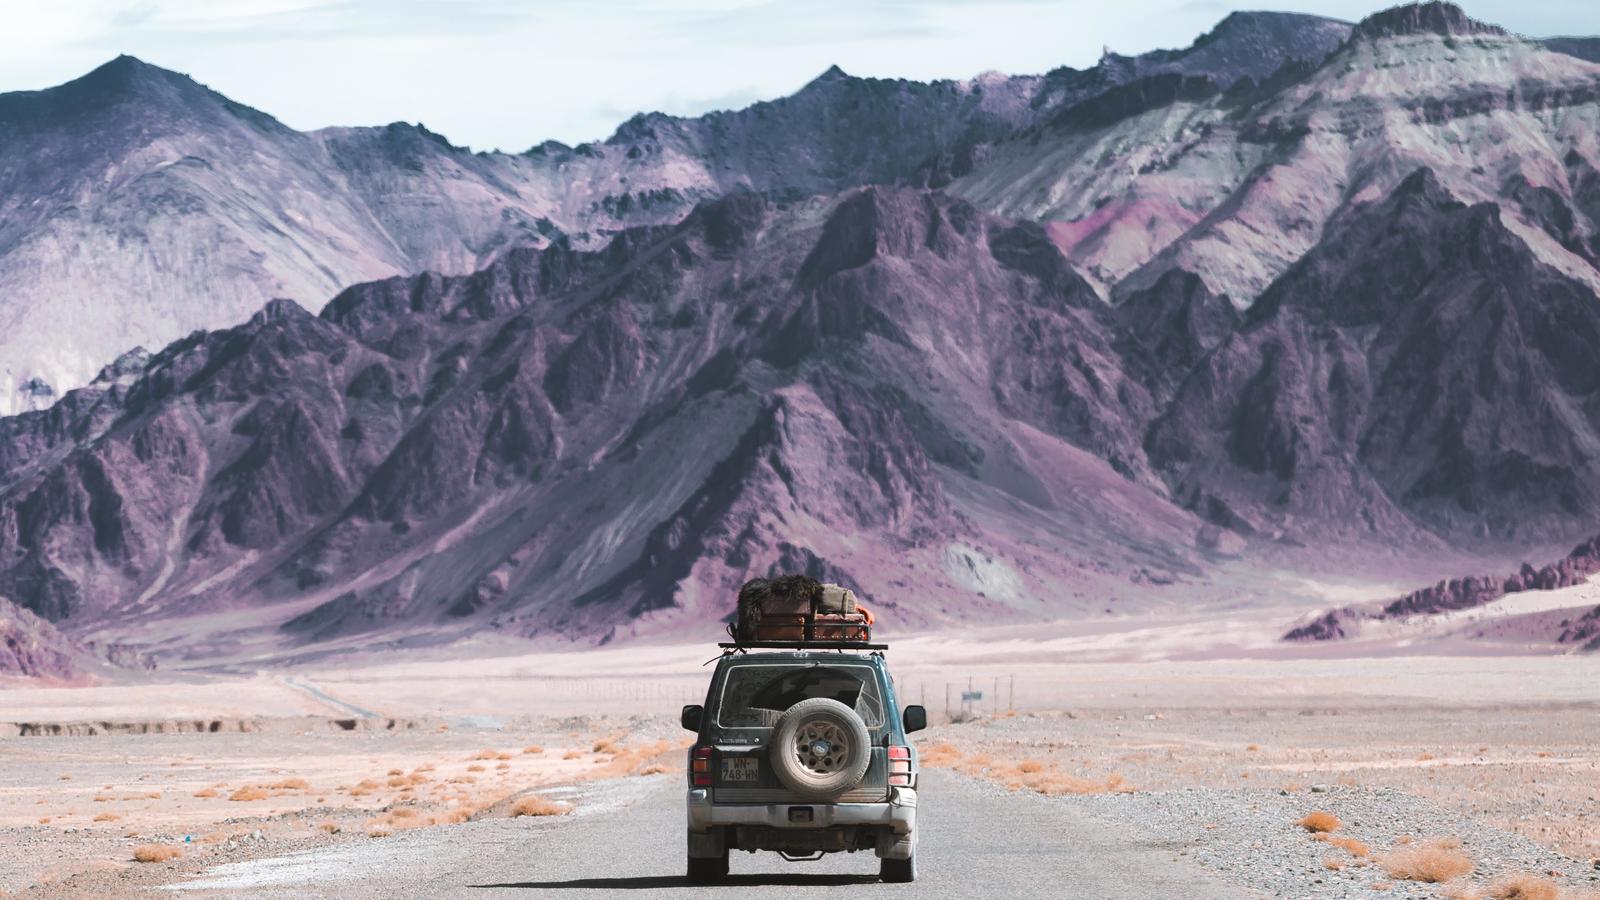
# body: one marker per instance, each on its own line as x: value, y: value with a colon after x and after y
x: 627, y: 839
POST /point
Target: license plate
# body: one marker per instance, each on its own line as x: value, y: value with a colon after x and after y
x: 740, y: 768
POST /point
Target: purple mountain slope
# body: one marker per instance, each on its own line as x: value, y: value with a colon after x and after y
x: 139, y: 199
x: 592, y: 444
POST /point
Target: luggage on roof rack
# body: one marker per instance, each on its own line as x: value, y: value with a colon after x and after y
x: 797, y: 608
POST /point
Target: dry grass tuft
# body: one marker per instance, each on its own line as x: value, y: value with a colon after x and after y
x: 501, y: 767
x: 474, y: 768
x: 1433, y: 862
x: 532, y: 749
x: 535, y: 805
x: 249, y: 792
x: 1332, y: 863
x: 657, y: 769
x: 1350, y: 845
x: 364, y: 787
x: 485, y: 754
x: 941, y: 755
x: 63, y: 777
x: 205, y: 793
x: 1320, y: 822
x: 107, y: 816
x: 502, y: 756
x: 147, y: 853
x: 574, y: 753
x: 330, y: 827
x: 1521, y: 886
x: 605, y: 745
x: 396, y: 772
x: 1030, y: 766
x: 289, y: 784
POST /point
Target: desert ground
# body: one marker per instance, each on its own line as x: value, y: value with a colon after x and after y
x: 1182, y: 775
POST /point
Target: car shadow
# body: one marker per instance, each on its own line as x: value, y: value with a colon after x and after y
x: 651, y: 882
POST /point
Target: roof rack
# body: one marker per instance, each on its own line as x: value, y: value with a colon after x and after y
x: 801, y: 645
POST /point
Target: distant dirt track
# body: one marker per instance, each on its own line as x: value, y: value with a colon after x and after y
x: 628, y: 840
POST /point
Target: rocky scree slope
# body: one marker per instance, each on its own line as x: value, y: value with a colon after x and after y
x: 141, y: 201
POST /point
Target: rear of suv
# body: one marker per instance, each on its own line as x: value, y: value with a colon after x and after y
x: 803, y: 753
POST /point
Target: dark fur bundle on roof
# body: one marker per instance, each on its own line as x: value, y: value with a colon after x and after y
x: 797, y: 592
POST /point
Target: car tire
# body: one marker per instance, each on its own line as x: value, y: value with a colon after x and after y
x: 708, y: 870
x: 820, y: 748
x: 898, y: 871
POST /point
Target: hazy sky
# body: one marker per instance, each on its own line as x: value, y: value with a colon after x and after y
x: 498, y: 73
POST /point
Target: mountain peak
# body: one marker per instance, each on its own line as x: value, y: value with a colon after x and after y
x: 1433, y: 17
x: 833, y: 73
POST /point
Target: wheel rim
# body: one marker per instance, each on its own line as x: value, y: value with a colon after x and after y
x: 822, y: 747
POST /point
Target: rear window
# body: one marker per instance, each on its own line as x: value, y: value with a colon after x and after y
x: 754, y: 696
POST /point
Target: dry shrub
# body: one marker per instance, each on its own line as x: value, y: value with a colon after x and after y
x: 330, y: 827
x: 103, y: 798
x: 396, y: 771
x: 404, y: 812
x: 425, y: 767
x: 1381, y: 885
x: 464, y: 779
x: 289, y: 784
x: 942, y: 754
x: 1433, y: 862
x: 1522, y: 886
x: 249, y: 792
x: 502, y: 756
x: 63, y: 777
x: 1053, y: 784
x: 574, y: 753
x: 535, y: 805
x: 1425, y: 757
x: 378, y: 831
x: 364, y: 787
x: 500, y: 767
x: 657, y: 769
x: 147, y: 853
x: 1030, y: 766
x: 532, y: 749
x: 474, y: 768
x: 396, y: 782
x: 1319, y: 822
x: 44, y: 820
x: 1350, y: 845
x: 1332, y: 863
x: 605, y: 745
x: 205, y: 793
x: 1252, y: 748
x: 107, y: 816
x: 485, y: 754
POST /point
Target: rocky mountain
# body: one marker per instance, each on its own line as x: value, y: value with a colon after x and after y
x: 1169, y: 336
x: 887, y: 387
x: 1236, y: 185
x: 138, y: 200
x: 1476, y: 592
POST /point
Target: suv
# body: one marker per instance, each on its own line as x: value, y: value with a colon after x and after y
x: 804, y: 753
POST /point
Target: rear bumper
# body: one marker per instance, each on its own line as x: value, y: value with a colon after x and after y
x: 899, y: 814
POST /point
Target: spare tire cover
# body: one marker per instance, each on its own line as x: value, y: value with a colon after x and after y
x: 820, y: 748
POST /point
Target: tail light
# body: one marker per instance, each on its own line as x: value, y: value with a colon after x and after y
x: 900, y: 766
x: 700, y: 767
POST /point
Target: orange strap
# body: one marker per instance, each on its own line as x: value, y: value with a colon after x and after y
x: 866, y: 612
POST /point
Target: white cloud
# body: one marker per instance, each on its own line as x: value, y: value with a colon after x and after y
x: 498, y: 73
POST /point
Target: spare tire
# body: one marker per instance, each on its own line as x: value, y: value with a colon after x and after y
x: 820, y: 748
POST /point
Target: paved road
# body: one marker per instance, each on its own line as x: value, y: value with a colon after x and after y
x: 628, y: 840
